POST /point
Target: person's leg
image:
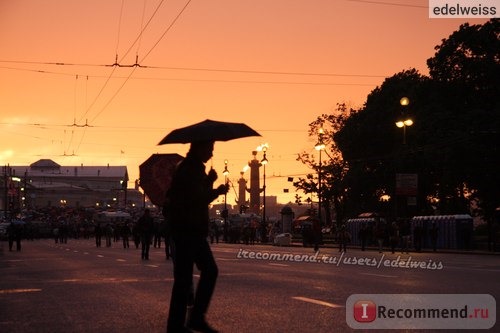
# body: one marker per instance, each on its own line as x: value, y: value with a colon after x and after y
x: 208, y: 276
x: 183, y: 274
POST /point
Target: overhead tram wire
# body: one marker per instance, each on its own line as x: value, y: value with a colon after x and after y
x: 115, y: 65
x: 142, y: 28
x: 134, y: 67
x: 139, y: 37
x: 384, y: 3
x: 264, y: 72
x: 119, y: 30
x: 224, y: 70
x: 137, y: 64
x: 114, y: 68
x: 167, y: 30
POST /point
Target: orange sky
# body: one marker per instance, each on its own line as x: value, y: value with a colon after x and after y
x: 272, y: 64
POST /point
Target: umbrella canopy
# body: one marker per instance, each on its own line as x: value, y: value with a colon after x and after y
x: 155, y: 175
x: 209, y: 130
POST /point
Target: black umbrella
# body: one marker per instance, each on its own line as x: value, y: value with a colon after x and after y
x: 155, y: 175
x: 209, y: 130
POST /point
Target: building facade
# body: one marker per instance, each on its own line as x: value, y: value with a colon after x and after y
x: 46, y: 184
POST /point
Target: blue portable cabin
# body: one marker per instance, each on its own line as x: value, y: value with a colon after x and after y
x: 354, y: 225
x: 454, y: 231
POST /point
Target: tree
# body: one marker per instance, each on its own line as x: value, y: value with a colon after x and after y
x: 467, y: 67
x: 333, y: 168
x: 373, y: 145
x: 453, y: 143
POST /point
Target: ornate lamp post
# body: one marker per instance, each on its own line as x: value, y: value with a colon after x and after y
x: 225, y: 212
x: 264, y: 161
x: 225, y: 173
x: 319, y: 147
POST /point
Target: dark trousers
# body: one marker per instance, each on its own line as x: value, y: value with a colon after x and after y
x: 190, y: 251
x: 146, y: 244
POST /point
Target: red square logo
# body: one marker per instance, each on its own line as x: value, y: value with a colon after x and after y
x: 365, y: 311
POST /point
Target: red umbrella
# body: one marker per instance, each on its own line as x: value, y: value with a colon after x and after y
x: 155, y: 175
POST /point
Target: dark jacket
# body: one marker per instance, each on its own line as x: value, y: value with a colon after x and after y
x: 145, y: 225
x: 189, y: 195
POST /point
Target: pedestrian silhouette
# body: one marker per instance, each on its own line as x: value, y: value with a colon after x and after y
x: 14, y: 232
x: 186, y: 210
x: 379, y: 233
x: 405, y: 232
x: 146, y: 229
x: 125, y: 229
x: 98, y: 234
x: 394, y: 236
x: 344, y: 237
x: 434, y: 233
x: 363, y: 236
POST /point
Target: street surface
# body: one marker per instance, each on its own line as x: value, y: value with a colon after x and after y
x: 76, y: 287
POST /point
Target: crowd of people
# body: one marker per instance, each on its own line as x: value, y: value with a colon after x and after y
x: 62, y: 224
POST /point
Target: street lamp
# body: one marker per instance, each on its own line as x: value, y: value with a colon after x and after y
x: 264, y: 161
x: 225, y: 213
x: 225, y: 173
x: 319, y: 147
x: 405, y: 122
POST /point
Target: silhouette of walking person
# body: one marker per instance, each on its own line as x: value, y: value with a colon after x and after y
x: 98, y: 235
x: 146, y: 226
x: 190, y: 193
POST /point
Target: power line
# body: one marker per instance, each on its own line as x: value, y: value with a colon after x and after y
x: 389, y: 3
x: 215, y: 80
x: 198, y: 69
x: 139, y: 37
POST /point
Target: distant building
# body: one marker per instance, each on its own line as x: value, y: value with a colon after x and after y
x: 46, y: 183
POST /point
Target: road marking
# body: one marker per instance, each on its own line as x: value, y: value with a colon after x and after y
x: 316, y: 301
x: 379, y: 275
x: 121, y: 260
x: 100, y: 256
x: 15, y: 291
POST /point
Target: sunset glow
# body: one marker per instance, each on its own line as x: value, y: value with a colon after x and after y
x: 97, y: 82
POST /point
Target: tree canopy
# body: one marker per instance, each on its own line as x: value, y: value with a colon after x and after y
x: 452, y: 144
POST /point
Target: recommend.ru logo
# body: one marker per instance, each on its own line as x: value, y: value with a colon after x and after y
x: 421, y: 311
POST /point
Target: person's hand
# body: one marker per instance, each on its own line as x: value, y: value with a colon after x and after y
x: 223, y: 189
x: 212, y: 175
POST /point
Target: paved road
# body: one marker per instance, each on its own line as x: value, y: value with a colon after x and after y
x: 76, y: 287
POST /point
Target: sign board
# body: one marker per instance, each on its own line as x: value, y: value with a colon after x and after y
x: 406, y: 184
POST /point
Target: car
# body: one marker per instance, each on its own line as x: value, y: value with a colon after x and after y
x: 284, y: 239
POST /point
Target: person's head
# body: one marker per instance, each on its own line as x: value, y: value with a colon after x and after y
x: 202, y: 150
